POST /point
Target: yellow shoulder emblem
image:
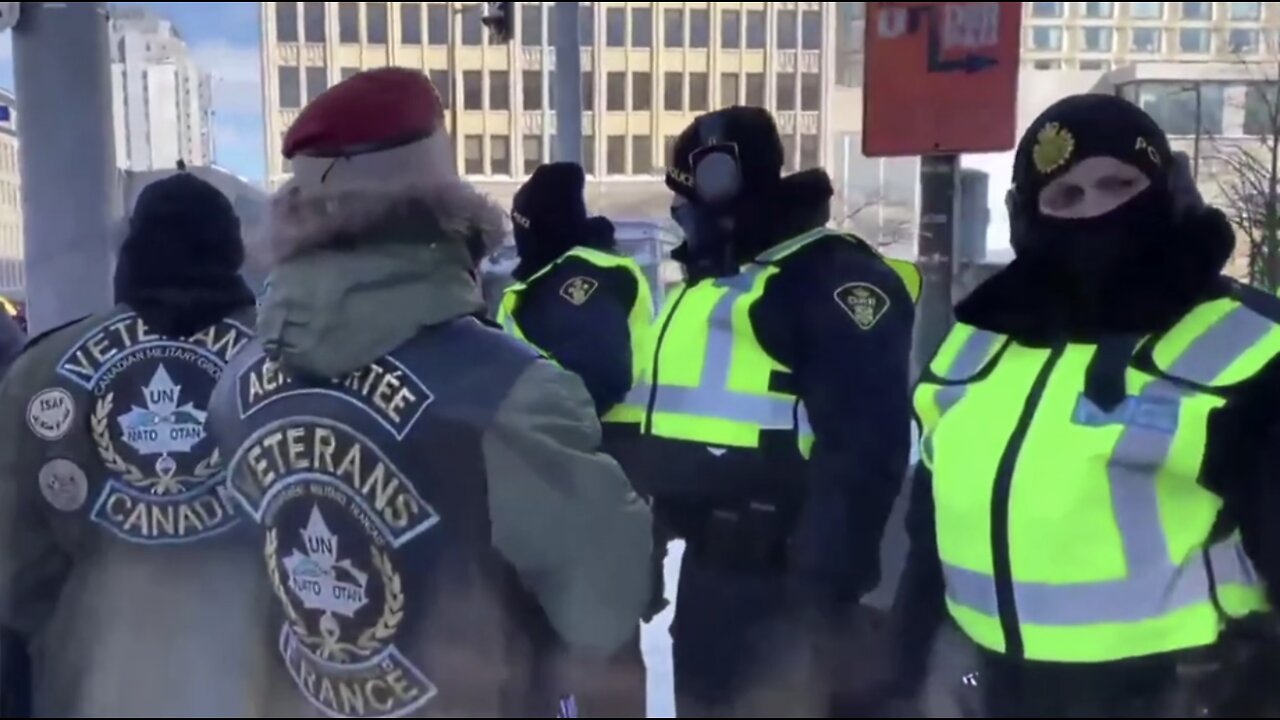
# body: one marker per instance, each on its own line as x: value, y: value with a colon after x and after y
x: 864, y: 302
x: 579, y: 290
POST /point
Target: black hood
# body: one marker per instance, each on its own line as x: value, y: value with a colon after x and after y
x: 179, y: 267
x: 549, y: 218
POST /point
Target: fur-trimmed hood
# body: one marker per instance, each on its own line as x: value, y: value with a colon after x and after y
x: 304, y: 219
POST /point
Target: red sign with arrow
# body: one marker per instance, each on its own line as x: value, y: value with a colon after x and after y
x: 941, y: 77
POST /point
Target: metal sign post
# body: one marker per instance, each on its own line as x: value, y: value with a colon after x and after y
x: 568, y: 83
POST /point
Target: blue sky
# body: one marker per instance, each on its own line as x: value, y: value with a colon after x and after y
x: 224, y: 38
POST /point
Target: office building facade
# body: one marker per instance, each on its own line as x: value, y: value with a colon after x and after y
x: 162, y: 100
x: 648, y: 69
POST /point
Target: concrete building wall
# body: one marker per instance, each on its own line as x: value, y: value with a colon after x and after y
x: 161, y: 96
x: 12, y: 277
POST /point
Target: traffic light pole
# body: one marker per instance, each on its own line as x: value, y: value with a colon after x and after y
x: 70, y: 198
x: 568, y: 83
x: 939, y: 205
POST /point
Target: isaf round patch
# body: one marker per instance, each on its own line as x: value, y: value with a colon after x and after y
x: 51, y: 413
x: 579, y: 290
x: 864, y: 302
x: 64, y: 485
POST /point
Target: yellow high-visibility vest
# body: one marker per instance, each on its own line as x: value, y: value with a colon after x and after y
x: 639, y: 317
x: 709, y: 377
x: 1073, y: 533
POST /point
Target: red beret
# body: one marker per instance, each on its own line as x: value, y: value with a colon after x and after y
x: 370, y: 111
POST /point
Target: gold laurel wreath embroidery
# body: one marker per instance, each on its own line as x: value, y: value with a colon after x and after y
x: 371, y: 640
x: 100, y: 423
x: 101, y: 426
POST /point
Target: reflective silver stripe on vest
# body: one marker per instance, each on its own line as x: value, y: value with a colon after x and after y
x: 509, y: 323
x: 711, y: 398
x: 968, y: 361
x: 1155, y: 586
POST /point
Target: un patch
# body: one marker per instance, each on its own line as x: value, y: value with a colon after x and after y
x: 336, y: 512
x: 164, y: 478
x: 864, y: 302
x: 579, y: 290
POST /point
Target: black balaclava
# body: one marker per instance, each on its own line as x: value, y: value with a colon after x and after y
x: 179, y: 266
x: 549, y: 218
x: 1132, y: 269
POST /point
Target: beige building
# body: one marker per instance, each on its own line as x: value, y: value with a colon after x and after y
x: 648, y: 69
x: 1105, y: 35
x: 12, y: 278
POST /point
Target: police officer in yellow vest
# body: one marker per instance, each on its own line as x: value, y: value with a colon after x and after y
x: 589, y: 309
x: 575, y: 299
x: 1097, y: 494
x: 771, y: 424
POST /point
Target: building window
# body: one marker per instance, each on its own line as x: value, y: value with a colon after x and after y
x: 615, y: 91
x: 349, y: 23
x: 699, y: 28
x: 317, y: 82
x: 1046, y: 38
x: 1260, y: 112
x: 1047, y: 65
x: 499, y: 90
x: 615, y: 27
x: 755, y: 30
x: 641, y: 154
x: 809, y: 146
x: 287, y: 22
x: 376, y: 23
x: 1103, y: 65
x: 347, y: 72
x: 472, y: 90
x: 437, y: 24
x: 499, y: 155
x: 473, y: 152
x: 588, y: 91
x: 472, y: 28
x: 532, y: 145
x: 1244, y: 41
x: 1146, y: 39
x: 444, y: 87
x: 673, y: 91
x: 811, y: 30
x: 731, y: 29
x: 313, y: 22
x: 810, y: 92
x: 755, y: 89
x: 587, y: 25
x: 641, y: 27
x: 1099, y: 9
x: 531, y: 89
x: 1197, y: 11
x: 1146, y: 10
x: 729, y: 90
x: 699, y: 91
x: 411, y: 23
x: 531, y: 25
x: 786, y: 87
x: 615, y: 155
x: 1047, y: 9
x: 642, y: 91
x: 787, y: 30
x: 290, y: 87
x: 673, y: 28
x: 669, y: 150
x: 1098, y: 39
x: 1193, y: 40
x: 1173, y: 105
x: 1245, y: 10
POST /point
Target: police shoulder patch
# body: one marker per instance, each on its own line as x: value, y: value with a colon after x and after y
x: 579, y: 290
x: 864, y: 302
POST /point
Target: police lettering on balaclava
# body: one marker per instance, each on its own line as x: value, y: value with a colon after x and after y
x: 1093, y: 188
x: 723, y: 171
